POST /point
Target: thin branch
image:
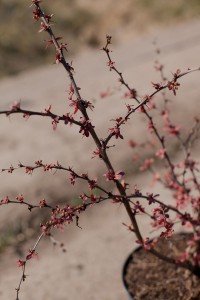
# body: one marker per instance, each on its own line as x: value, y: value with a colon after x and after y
x: 23, y: 277
x: 48, y: 113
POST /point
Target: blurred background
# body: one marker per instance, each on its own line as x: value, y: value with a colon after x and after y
x: 83, y: 24
x: 21, y: 47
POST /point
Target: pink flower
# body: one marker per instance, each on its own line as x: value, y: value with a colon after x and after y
x: 173, y: 86
x: 20, y: 198
x: 55, y: 122
x: 58, y: 58
x: 110, y: 175
x: 5, y: 200
x: 85, y: 127
x: 119, y: 175
x: 114, y: 176
x: 161, y: 153
x: 15, y: 106
x: 43, y: 27
x: 172, y: 129
x: 43, y: 203
x: 111, y: 64
x: 116, y: 132
x: 97, y: 153
x: 21, y: 263
x: 147, y: 164
x: 29, y: 170
x: 92, y: 184
x: 31, y: 254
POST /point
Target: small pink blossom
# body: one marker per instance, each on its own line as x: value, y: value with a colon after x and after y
x: 92, y: 183
x: 36, y: 13
x: 48, y: 109
x: 15, y: 106
x: 20, y: 263
x: 156, y: 86
x: 43, y: 27
x: 31, y: 254
x: 58, y: 58
x: 147, y: 243
x: 55, y: 122
x: 83, y: 197
x: 97, y: 153
x: 147, y: 164
x: 20, y: 198
x: 110, y: 175
x: 161, y: 153
x: 85, y: 127
x: 119, y: 175
x: 75, y: 105
x: 172, y: 129
x: 5, y: 200
x: 115, y: 131
x: 173, y: 86
x: 131, y: 94
x: 137, y: 208
x: 29, y: 170
x: 42, y: 203
x: 111, y: 64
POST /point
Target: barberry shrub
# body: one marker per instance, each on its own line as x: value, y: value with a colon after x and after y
x: 179, y: 175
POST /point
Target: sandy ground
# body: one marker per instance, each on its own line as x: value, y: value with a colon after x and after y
x: 91, y: 268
